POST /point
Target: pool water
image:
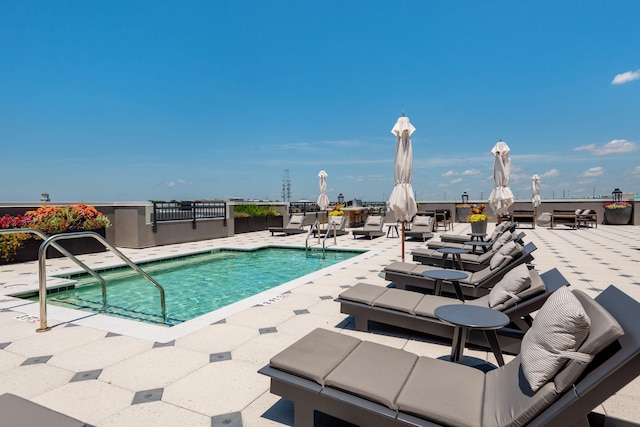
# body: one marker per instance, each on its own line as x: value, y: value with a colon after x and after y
x: 195, y: 284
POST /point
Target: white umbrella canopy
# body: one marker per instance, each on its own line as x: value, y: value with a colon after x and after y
x: 403, y: 201
x: 323, y: 200
x: 501, y: 197
x: 535, y: 190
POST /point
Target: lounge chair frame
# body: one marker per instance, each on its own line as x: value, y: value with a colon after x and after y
x: 473, y: 290
x: 290, y: 228
x: 611, y: 370
x: 369, y: 230
x: 509, y: 338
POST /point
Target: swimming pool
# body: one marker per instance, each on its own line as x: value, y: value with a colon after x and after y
x: 194, y: 284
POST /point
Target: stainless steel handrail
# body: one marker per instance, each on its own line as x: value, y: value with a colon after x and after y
x: 43, y: 276
x: 315, y: 225
x: 64, y: 252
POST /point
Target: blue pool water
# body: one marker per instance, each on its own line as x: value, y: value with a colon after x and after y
x: 195, y: 284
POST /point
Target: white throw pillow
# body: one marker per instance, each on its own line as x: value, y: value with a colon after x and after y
x: 422, y: 221
x: 296, y: 219
x: 559, y: 329
x: 499, y: 259
x: 506, y: 236
x: 514, y: 282
x: 373, y: 220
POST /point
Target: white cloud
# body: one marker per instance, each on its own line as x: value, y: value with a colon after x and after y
x: 455, y: 181
x: 596, y: 171
x: 450, y: 173
x: 626, y: 77
x: 471, y: 172
x: 615, y: 146
x: 171, y: 184
x: 636, y: 170
x: 550, y: 173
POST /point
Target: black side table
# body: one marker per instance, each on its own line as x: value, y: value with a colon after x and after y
x: 466, y: 317
x: 455, y: 256
x: 452, y: 276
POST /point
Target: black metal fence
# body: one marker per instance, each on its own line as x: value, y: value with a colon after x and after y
x: 187, y: 210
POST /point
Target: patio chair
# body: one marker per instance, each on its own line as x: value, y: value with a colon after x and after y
x: 421, y: 228
x: 520, y: 292
x: 295, y: 226
x: 477, y: 284
x: 470, y: 261
x: 372, y: 227
x: 335, y: 222
x: 371, y: 384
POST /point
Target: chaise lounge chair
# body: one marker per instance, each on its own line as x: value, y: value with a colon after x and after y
x: 421, y: 228
x: 295, y: 226
x: 372, y: 227
x: 447, y: 239
x: 370, y: 384
x: 520, y: 292
x: 477, y: 284
x: 470, y: 261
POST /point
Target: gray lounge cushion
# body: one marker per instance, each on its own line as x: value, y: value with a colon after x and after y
x: 423, y: 221
x: 373, y: 221
x: 296, y: 219
x: 374, y: 371
x: 399, y: 299
x: 315, y: 355
x: 444, y: 400
x: 514, y: 282
x: 558, y: 330
x: 504, y: 238
x: 364, y: 293
x: 498, y: 260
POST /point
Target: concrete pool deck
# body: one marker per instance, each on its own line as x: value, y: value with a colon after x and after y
x: 107, y: 373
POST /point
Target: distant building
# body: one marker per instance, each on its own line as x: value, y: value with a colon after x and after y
x: 44, y: 197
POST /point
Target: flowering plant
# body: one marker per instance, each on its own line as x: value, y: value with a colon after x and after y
x: 616, y: 205
x: 337, y: 210
x: 51, y: 220
x: 477, y: 213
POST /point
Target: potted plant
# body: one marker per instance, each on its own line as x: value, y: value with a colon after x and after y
x: 617, y: 213
x: 478, y: 219
x: 463, y: 211
x: 337, y: 210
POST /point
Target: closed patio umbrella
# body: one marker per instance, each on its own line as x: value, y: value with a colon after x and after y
x: 323, y: 200
x: 535, y: 195
x: 402, y: 201
x: 501, y: 197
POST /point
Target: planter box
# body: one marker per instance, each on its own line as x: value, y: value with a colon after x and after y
x: 85, y: 245
x: 249, y: 225
x: 479, y: 227
x: 462, y: 214
x: 617, y: 216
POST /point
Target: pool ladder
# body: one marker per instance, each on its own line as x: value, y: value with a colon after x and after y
x: 42, y: 266
x: 316, y: 226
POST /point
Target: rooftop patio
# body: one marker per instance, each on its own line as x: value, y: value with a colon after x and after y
x: 105, y: 374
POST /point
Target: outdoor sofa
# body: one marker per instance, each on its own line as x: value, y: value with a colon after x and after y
x: 519, y: 293
x: 370, y: 384
x: 294, y: 226
x: 478, y: 283
x: 574, y: 219
x: 372, y: 227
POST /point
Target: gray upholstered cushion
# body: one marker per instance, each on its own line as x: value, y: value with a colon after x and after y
x: 400, y: 267
x: 296, y: 219
x: 374, y: 221
x: 363, y: 292
x: 374, y: 371
x: 605, y: 329
x: 514, y: 282
x: 508, y: 399
x: 453, y: 395
x: 315, y: 355
x: 504, y: 238
x: 499, y: 259
x: 399, y: 299
x: 423, y: 221
x: 560, y: 326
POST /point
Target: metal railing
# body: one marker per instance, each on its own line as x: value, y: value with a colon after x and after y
x: 187, y: 210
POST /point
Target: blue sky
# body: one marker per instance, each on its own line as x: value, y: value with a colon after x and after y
x: 131, y: 101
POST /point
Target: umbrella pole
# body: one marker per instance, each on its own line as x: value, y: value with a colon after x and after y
x: 403, y: 221
x: 320, y: 223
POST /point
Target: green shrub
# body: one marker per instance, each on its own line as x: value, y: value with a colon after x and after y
x: 254, y: 211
